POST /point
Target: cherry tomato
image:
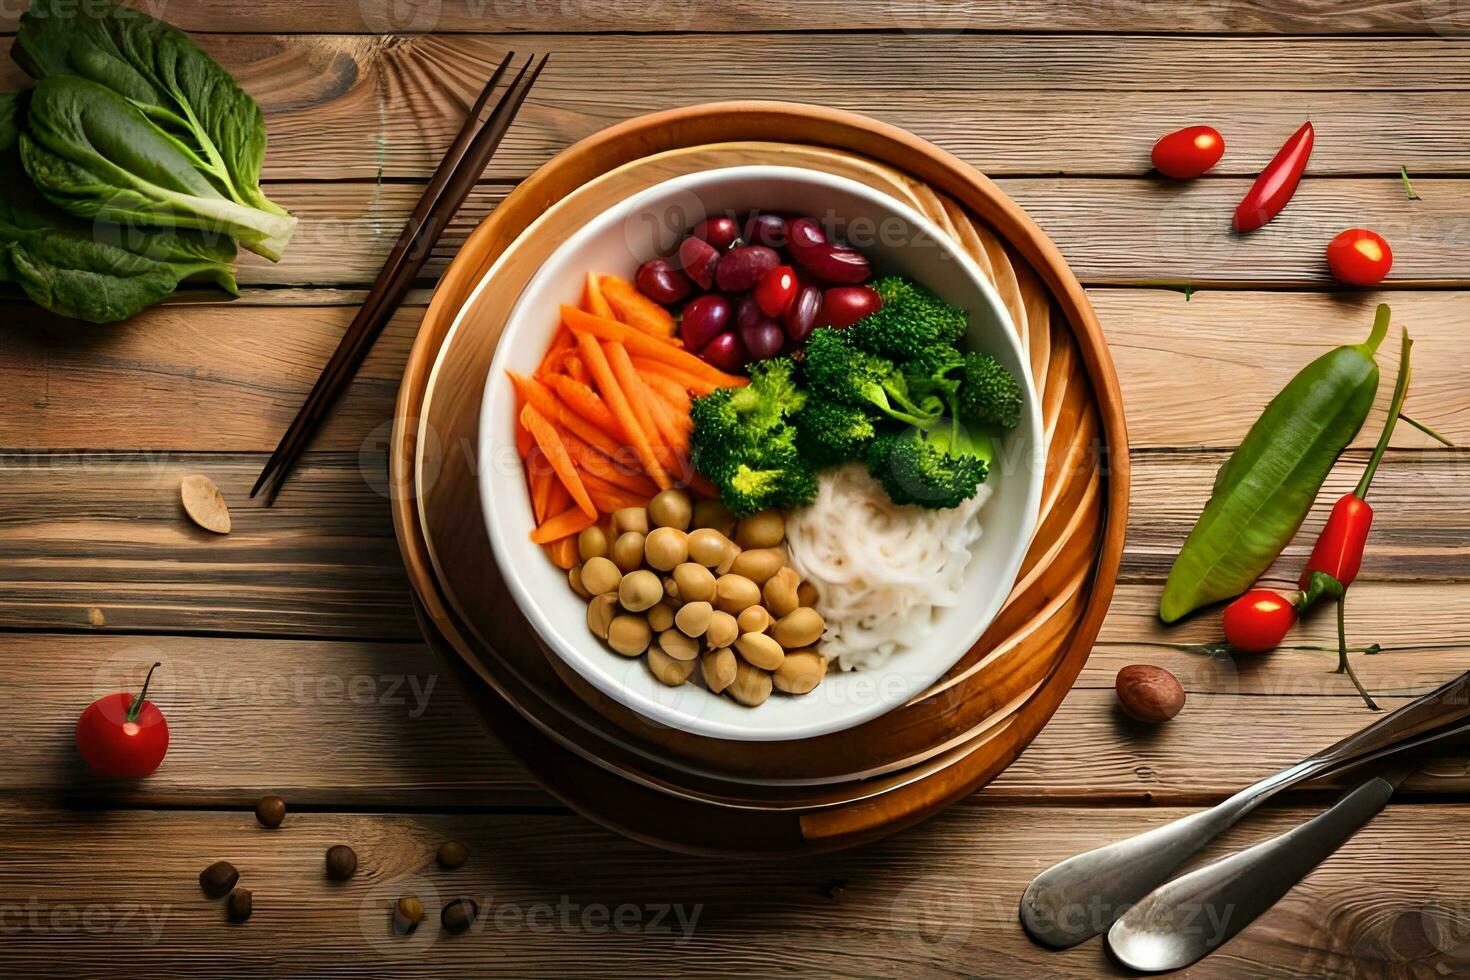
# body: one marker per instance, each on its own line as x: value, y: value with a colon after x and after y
x: 1259, y: 620
x: 119, y: 735
x: 1189, y: 152
x: 776, y: 290
x: 1359, y: 257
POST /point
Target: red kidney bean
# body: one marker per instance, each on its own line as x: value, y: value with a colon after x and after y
x: 705, y: 317
x: 765, y: 229
x: 833, y: 263
x: 699, y: 258
x: 804, y: 233
x: 842, y: 306
x: 801, y: 315
x: 725, y: 352
x: 720, y: 231
x: 747, y: 312
x: 763, y: 339
x: 661, y: 282
x: 743, y: 266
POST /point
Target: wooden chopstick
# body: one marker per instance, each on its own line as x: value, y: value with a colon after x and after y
x: 451, y: 183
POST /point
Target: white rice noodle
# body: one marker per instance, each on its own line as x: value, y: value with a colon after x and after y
x: 882, y: 570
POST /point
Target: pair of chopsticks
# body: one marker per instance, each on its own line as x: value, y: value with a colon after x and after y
x: 451, y: 184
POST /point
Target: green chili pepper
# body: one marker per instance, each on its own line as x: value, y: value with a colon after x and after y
x: 1265, y: 489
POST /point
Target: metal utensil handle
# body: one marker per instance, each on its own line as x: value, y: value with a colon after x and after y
x: 1189, y: 917
x: 1448, y: 703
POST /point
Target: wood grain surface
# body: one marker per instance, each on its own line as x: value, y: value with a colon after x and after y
x: 293, y: 662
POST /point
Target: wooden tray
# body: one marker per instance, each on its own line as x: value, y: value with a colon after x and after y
x: 1086, y: 509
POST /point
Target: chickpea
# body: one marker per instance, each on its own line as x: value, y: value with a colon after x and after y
x: 764, y: 530
x: 600, y: 613
x: 718, y: 668
x: 760, y: 650
x: 801, y: 627
x: 693, y: 618
x: 800, y: 672
x: 626, y: 519
x: 574, y: 577
x: 758, y: 564
x: 728, y: 561
x: 754, y: 619
x: 751, y: 685
x: 735, y: 593
x: 708, y: 546
x: 660, y: 617
x: 722, y: 631
x: 713, y: 514
x: 640, y: 590
x: 629, y: 635
x: 670, y: 508
x: 677, y: 645
x: 666, y: 548
x: 600, y: 575
x: 807, y: 594
x: 780, y: 593
x: 696, y: 583
x: 667, y: 669
x: 627, y: 551
x: 592, y: 543
x: 671, y: 592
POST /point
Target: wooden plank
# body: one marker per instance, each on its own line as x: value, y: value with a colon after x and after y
x: 101, y: 542
x: 215, y: 377
x: 1173, y: 234
x: 554, y: 891
x: 367, y: 108
x: 98, y: 541
x: 350, y: 724
x: 740, y: 16
x: 344, y: 723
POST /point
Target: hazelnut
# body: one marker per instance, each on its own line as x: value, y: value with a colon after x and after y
x: 1149, y: 693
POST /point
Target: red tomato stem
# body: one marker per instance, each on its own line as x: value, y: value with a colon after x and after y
x: 137, y: 704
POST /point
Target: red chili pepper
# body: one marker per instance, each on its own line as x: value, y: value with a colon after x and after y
x: 1277, y: 183
x: 1339, y: 548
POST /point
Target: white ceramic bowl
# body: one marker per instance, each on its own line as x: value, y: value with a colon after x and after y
x: 897, y: 240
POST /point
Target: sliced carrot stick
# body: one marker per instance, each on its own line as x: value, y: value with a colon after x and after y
x: 635, y: 309
x: 557, y: 498
x: 551, y: 444
x: 577, y: 369
x: 585, y: 402
x: 593, y: 300
x: 689, y: 382
x: 592, y: 462
x: 617, y: 401
x: 573, y: 520
x: 632, y: 384
x: 541, y: 480
x: 563, y: 552
x: 611, y: 497
x: 645, y: 346
x: 559, y: 344
x: 670, y: 391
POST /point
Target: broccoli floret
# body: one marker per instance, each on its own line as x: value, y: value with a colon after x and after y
x: 910, y: 321
x: 927, y: 468
x: 988, y: 393
x: 836, y: 369
x: 745, y: 443
x: 830, y: 432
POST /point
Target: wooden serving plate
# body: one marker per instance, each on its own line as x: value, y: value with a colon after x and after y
x: 994, y: 676
x: 1041, y: 638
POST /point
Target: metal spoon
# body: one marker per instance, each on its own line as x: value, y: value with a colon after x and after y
x: 1193, y: 915
x: 1083, y: 896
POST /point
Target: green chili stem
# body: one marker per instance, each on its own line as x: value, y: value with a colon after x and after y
x: 1342, y: 653
x: 1380, y: 328
x: 1395, y: 407
x: 1431, y: 433
x: 137, y: 705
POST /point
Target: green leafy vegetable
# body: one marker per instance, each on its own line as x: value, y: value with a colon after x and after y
x: 910, y: 321
x: 202, y: 121
x: 91, y: 270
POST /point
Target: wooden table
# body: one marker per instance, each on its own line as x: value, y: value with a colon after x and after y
x: 293, y: 662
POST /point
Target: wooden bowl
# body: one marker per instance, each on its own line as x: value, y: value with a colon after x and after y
x: 999, y: 695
